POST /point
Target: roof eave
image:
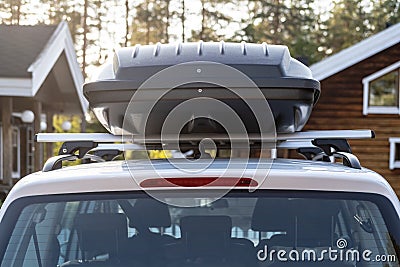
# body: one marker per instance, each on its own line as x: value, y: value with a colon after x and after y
x: 75, y: 71
x: 16, y: 87
x: 60, y: 41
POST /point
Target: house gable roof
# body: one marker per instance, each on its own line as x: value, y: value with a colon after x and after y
x: 356, y: 53
x: 20, y: 46
x: 35, y: 52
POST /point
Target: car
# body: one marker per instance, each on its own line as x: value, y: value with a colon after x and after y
x: 210, y: 206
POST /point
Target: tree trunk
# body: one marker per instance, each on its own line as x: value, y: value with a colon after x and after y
x: 126, y: 22
x: 203, y: 19
x: 18, y: 12
x: 276, y: 23
x: 147, y: 23
x: 167, y: 2
x: 85, y: 30
x: 183, y: 20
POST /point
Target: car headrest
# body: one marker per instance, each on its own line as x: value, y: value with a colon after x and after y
x: 206, y: 235
x: 206, y: 225
x: 100, y: 233
x: 324, y: 207
x: 273, y: 215
x: 315, y: 221
x: 148, y: 212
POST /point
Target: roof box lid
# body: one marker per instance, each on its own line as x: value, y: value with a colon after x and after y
x: 283, y: 81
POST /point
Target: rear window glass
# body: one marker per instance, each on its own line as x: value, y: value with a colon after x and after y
x: 266, y: 228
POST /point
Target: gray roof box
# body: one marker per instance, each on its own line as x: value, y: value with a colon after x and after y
x: 207, y: 70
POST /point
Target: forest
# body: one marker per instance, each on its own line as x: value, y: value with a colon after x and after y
x: 311, y: 29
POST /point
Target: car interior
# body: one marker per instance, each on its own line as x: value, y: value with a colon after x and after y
x: 240, y: 231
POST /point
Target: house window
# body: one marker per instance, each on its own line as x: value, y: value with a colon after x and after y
x: 394, y: 157
x: 381, y: 91
x: 16, y: 153
x: 384, y: 91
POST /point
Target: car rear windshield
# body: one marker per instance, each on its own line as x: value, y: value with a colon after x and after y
x: 262, y: 228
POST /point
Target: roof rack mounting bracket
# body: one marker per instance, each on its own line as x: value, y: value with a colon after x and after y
x: 313, y: 153
x: 107, y: 154
x: 70, y: 147
x: 327, y: 144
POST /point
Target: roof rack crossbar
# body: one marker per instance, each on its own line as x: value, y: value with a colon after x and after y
x: 330, y: 134
x: 65, y: 137
x: 298, y: 136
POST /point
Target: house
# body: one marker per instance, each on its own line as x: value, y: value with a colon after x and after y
x: 360, y: 89
x: 39, y: 77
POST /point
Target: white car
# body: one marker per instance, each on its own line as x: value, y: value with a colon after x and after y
x: 206, y: 211
x: 96, y: 215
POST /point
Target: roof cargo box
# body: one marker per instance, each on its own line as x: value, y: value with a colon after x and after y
x: 283, y: 81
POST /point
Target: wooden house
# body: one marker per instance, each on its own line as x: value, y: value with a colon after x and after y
x: 360, y: 89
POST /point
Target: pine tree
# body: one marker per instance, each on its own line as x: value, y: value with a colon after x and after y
x: 5, y: 12
x: 293, y: 23
x: 85, y: 24
x: 151, y: 22
x: 384, y: 13
x: 212, y: 20
x: 12, y: 12
x: 348, y: 24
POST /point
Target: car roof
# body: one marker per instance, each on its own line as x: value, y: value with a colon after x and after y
x: 283, y: 174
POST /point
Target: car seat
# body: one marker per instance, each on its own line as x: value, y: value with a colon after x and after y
x: 316, y: 220
x: 54, y: 248
x: 206, y: 240
x: 150, y: 213
x: 206, y: 236
x: 145, y: 214
x: 101, y: 234
x: 274, y: 215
